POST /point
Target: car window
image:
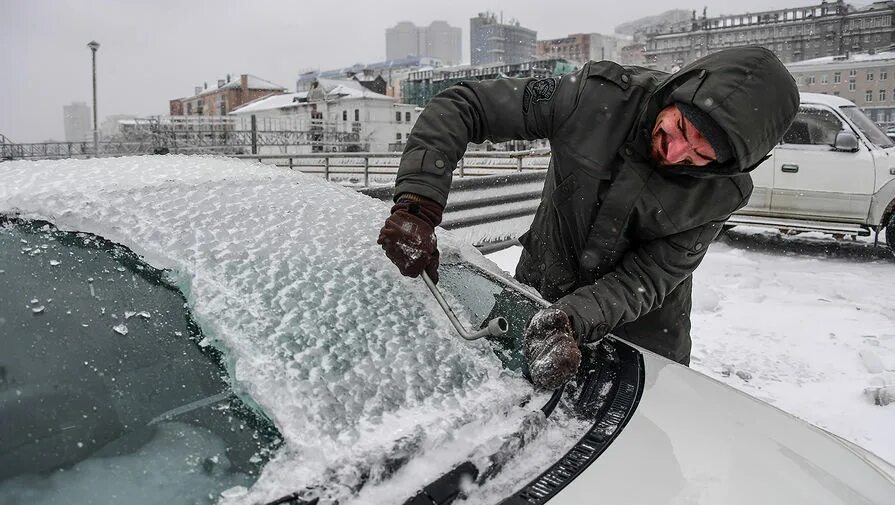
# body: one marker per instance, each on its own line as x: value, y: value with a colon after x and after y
x: 105, y: 379
x: 867, y: 127
x: 813, y: 126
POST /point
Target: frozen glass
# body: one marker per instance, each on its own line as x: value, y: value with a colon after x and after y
x: 102, y: 379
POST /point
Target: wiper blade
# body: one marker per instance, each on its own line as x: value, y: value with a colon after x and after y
x: 404, y: 449
x: 606, y: 394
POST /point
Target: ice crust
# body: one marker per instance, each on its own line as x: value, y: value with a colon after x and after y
x: 282, y: 271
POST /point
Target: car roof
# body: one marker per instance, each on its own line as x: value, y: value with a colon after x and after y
x: 823, y: 99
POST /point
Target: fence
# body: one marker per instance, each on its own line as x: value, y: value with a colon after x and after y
x: 369, y: 165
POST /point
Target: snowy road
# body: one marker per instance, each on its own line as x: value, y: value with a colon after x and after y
x: 805, y: 323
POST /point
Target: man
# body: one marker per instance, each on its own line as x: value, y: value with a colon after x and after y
x: 645, y: 169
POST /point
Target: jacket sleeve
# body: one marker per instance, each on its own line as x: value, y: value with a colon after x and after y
x: 474, y: 111
x: 639, y: 283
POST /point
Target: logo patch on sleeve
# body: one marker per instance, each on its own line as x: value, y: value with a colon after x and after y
x: 538, y: 91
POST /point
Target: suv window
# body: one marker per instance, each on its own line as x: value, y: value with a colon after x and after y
x: 813, y: 126
x: 867, y: 127
x: 105, y: 379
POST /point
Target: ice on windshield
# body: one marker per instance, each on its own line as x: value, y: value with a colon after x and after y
x: 179, y: 464
x: 282, y: 270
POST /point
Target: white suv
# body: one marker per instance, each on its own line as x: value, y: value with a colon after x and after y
x: 834, y: 171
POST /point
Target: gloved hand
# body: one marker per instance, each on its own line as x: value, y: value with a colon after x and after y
x: 408, y: 235
x: 550, y: 348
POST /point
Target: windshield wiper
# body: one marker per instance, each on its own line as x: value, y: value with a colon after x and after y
x: 607, y: 391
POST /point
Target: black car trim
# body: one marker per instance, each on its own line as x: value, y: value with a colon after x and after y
x: 626, y: 396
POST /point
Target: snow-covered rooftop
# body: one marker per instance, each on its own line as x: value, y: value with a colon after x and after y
x: 335, y: 89
x: 253, y: 82
x: 347, y: 91
x: 862, y: 57
x: 271, y: 102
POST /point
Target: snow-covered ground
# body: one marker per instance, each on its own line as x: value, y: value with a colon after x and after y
x: 806, y: 323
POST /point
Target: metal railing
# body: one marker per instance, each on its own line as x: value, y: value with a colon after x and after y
x: 367, y: 165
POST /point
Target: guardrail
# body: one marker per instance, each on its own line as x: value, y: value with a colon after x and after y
x: 366, y: 164
x: 488, y: 209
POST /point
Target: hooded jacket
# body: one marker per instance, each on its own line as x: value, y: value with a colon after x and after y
x: 616, y: 237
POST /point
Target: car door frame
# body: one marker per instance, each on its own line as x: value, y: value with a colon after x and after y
x: 796, y: 195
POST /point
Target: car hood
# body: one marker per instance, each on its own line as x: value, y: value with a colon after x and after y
x: 693, y: 439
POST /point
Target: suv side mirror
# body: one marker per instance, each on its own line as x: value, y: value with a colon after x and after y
x: 846, y: 141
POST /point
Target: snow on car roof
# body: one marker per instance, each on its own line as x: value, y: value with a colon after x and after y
x: 821, y: 98
x: 282, y: 270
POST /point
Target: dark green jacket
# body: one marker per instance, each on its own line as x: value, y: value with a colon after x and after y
x: 616, y: 238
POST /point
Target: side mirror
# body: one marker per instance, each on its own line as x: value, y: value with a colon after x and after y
x: 846, y: 141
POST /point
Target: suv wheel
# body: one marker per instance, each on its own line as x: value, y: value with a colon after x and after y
x: 890, y: 233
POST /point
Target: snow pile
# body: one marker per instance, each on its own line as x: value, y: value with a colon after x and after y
x: 282, y: 270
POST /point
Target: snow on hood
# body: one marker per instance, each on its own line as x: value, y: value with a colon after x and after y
x: 282, y: 271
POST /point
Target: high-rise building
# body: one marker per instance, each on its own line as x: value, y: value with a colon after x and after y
x: 401, y: 41
x: 793, y: 34
x: 438, y: 40
x: 492, y: 41
x: 443, y: 41
x: 77, y: 122
x: 582, y: 47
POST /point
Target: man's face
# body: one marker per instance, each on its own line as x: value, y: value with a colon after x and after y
x: 676, y: 141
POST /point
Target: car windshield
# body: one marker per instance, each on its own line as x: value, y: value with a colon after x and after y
x: 105, y: 374
x: 108, y: 393
x: 867, y: 127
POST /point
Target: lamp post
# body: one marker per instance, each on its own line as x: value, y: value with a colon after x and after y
x: 94, y: 45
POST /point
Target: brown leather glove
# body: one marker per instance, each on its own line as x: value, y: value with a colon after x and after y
x: 408, y: 235
x: 550, y: 348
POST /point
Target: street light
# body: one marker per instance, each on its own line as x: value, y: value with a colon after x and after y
x: 94, y: 45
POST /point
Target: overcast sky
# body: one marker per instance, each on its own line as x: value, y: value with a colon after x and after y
x: 153, y: 51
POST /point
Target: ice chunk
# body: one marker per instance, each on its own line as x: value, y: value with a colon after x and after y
x: 871, y: 361
x: 234, y: 492
x: 129, y: 314
x: 38, y: 310
x: 55, y: 263
x: 120, y: 329
x: 881, y: 396
x: 706, y: 300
